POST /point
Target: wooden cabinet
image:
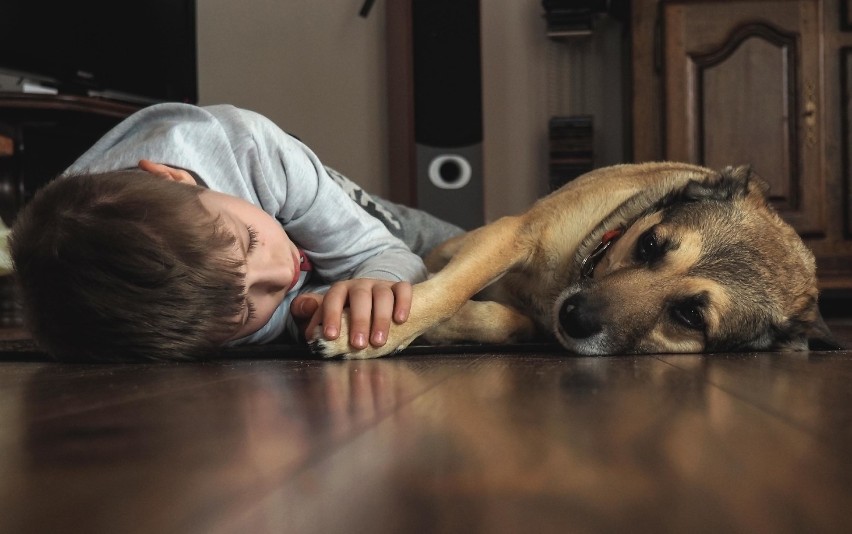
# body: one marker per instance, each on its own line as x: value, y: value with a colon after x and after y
x: 765, y: 82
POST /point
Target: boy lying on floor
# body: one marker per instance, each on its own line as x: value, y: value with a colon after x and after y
x: 185, y: 229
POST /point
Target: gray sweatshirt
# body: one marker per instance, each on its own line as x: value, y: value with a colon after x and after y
x: 243, y: 154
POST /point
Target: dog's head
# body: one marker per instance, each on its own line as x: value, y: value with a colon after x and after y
x: 711, y: 267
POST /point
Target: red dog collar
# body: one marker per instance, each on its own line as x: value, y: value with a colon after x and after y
x: 587, y: 268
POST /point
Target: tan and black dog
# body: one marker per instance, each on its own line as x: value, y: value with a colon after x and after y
x: 645, y: 258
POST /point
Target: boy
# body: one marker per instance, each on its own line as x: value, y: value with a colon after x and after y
x: 186, y: 228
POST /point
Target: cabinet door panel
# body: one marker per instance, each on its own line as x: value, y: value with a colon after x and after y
x: 740, y: 84
x: 846, y: 130
x: 737, y: 92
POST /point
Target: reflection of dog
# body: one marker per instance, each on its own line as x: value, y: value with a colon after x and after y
x: 657, y: 257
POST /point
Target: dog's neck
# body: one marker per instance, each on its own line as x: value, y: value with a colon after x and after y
x: 587, y: 267
x: 596, y: 244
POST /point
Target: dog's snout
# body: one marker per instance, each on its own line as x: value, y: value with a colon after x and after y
x: 577, y: 318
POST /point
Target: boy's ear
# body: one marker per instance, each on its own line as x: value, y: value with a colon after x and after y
x: 166, y: 172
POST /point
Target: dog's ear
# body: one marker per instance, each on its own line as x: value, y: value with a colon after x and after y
x: 730, y: 183
x: 754, y: 184
x: 806, y: 330
x: 821, y: 338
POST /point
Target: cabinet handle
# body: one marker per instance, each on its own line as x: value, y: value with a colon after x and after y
x: 810, y: 114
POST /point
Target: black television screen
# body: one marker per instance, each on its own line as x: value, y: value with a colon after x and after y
x: 142, y: 50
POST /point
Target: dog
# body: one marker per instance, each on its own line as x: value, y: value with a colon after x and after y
x: 660, y: 257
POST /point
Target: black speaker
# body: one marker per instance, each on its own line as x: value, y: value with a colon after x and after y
x: 435, y: 103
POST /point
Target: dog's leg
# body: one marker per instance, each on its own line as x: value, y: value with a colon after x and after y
x: 489, y: 252
x: 443, y: 253
x: 482, y: 322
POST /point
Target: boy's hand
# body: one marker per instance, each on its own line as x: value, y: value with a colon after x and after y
x: 305, y: 308
x: 373, y: 304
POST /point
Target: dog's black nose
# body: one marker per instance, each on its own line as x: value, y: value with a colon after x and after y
x: 577, y: 318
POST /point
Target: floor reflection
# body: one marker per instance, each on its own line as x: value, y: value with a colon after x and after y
x: 464, y: 443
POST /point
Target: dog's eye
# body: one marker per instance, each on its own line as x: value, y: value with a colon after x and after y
x: 689, y: 315
x: 648, y: 247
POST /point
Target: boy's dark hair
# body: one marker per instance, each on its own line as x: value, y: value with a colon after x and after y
x: 125, y: 266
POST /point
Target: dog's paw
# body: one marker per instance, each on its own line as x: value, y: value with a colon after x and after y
x: 327, y: 348
x: 340, y: 347
x: 332, y: 348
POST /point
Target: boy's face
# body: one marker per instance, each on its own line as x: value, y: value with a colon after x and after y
x: 271, y: 259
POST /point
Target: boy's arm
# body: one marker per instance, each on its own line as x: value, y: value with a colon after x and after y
x: 342, y: 240
x: 371, y: 271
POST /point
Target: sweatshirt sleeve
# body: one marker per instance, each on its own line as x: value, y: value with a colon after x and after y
x: 342, y: 240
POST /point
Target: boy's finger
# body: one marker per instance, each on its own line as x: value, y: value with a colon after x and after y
x: 304, y: 306
x: 332, y: 309
x: 304, y: 311
x: 383, y: 306
x: 315, y: 321
x: 360, y: 314
x: 402, y: 292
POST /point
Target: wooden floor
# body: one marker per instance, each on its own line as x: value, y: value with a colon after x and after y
x: 535, y: 441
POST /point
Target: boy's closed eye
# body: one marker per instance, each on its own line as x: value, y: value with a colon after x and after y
x: 251, y: 309
x: 252, y: 241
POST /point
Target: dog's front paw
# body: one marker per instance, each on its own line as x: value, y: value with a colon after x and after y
x: 327, y: 348
x: 330, y: 348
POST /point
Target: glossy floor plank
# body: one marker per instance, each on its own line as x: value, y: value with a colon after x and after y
x: 172, y: 445
x: 542, y: 445
x: 477, y: 442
